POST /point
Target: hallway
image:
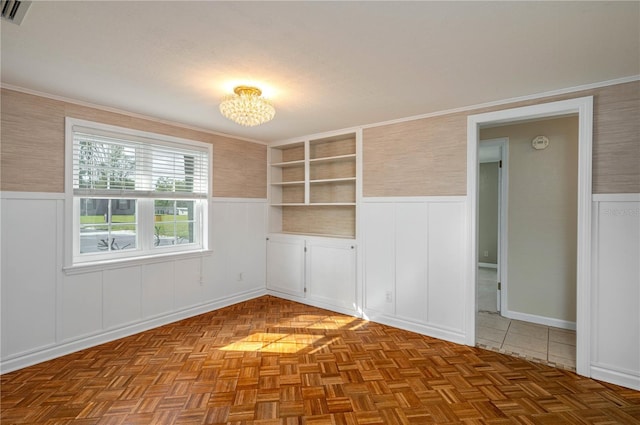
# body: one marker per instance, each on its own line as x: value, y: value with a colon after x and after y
x: 544, y: 344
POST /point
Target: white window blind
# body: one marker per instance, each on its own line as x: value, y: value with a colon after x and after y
x: 107, y: 164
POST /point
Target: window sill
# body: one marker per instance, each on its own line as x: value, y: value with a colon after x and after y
x: 94, y: 266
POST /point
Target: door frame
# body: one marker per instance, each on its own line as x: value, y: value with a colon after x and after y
x: 582, y: 106
x: 503, y: 209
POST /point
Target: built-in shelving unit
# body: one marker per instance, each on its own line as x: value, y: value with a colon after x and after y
x: 313, y: 186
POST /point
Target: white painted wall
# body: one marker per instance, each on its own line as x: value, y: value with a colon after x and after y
x: 47, y: 312
x: 413, y: 248
x: 414, y: 258
x: 615, y: 352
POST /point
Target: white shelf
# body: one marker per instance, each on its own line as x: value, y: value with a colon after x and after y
x: 292, y: 183
x: 331, y: 204
x: 288, y: 164
x: 315, y: 204
x: 316, y: 235
x: 342, y: 179
x: 333, y: 158
x: 324, y: 170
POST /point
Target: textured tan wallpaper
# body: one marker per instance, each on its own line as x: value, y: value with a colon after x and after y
x: 33, y: 147
x: 321, y: 220
x: 616, y: 139
x: 427, y: 157
x: 416, y: 158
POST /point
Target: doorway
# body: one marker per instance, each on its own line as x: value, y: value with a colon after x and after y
x: 583, y: 107
x: 493, y: 157
x: 541, y: 241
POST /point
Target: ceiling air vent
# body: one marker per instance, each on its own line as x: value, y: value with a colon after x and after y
x: 14, y: 10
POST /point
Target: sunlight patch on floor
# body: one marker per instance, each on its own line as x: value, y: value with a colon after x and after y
x: 273, y: 343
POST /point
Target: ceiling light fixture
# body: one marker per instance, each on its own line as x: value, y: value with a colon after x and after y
x: 247, y: 107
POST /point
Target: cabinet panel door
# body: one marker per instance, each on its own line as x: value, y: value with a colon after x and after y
x: 285, y: 265
x: 331, y: 273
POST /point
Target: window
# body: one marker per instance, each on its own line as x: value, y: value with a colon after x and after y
x: 134, y: 194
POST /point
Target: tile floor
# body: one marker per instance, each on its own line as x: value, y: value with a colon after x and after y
x: 545, y: 344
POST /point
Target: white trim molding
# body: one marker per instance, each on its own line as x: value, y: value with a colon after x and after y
x: 506, y: 102
x: 239, y: 200
x: 540, y: 320
x: 409, y: 199
x: 616, y: 197
x: 583, y: 107
x: 52, y: 351
x: 51, y: 196
x: 615, y: 273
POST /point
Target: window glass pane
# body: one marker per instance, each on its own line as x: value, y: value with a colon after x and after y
x: 105, y: 165
x: 174, y: 223
x: 186, y: 224
x: 107, y: 225
x: 135, y: 192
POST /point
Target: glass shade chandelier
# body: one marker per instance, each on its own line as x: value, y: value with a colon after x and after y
x: 246, y: 107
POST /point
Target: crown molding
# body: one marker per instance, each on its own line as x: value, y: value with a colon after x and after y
x: 541, y: 95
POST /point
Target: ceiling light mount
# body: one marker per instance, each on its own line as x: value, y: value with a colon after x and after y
x: 247, y: 107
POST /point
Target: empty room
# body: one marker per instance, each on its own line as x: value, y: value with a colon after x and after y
x: 320, y: 213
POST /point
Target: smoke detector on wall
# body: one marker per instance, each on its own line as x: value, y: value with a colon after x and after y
x: 540, y: 142
x: 14, y: 10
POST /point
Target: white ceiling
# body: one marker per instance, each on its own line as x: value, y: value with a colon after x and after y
x: 325, y: 65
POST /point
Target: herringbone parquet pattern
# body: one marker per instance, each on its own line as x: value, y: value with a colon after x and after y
x: 275, y: 362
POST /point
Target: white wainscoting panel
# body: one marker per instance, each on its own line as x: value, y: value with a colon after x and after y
x: 239, y: 246
x: 446, y: 265
x: 122, y: 296
x: 414, y: 258
x: 188, y: 283
x: 28, y: 274
x: 412, y: 241
x: 47, y: 312
x: 157, y: 289
x: 379, y: 257
x: 255, y: 247
x: 81, y: 306
x: 615, y: 355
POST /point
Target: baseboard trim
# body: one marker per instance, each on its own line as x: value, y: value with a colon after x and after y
x: 627, y: 380
x: 540, y: 320
x: 314, y: 303
x: 423, y: 329
x: 50, y: 352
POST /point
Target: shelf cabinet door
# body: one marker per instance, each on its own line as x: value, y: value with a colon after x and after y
x: 285, y: 265
x: 331, y: 273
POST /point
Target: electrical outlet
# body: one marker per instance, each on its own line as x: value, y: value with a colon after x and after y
x: 486, y: 253
x: 240, y: 277
x: 389, y: 296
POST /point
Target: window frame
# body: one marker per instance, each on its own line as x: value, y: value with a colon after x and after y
x: 145, y: 211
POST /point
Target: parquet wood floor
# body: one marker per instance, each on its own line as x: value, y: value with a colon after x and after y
x: 273, y: 362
